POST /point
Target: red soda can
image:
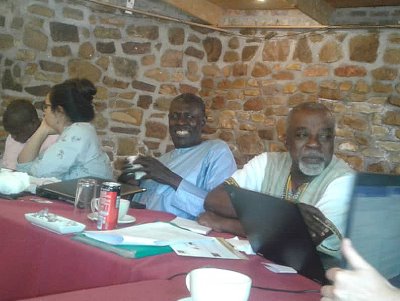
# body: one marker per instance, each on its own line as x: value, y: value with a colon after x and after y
x: 110, y: 194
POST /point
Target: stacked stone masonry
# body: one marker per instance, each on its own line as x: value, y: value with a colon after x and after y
x: 248, y: 82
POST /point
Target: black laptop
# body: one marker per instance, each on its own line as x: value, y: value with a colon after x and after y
x: 374, y: 221
x: 65, y: 190
x: 275, y: 229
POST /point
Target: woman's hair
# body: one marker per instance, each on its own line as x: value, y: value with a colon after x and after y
x: 75, y: 96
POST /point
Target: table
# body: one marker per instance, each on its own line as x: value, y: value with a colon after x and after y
x: 36, y: 262
x: 143, y: 290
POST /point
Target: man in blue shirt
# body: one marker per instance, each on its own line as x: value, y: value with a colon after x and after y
x: 179, y: 181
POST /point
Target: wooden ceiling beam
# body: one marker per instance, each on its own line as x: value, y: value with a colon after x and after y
x: 202, y: 9
x: 362, y: 3
x: 319, y: 10
x: 252, y: 5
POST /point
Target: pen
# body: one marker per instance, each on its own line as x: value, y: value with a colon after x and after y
x: 320, y: 221
x: 330, y: 226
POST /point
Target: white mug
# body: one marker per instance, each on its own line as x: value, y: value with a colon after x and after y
x: 212, y: 284
x: 122, y: 211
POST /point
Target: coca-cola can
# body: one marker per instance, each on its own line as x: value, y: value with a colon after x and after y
x: 110, y: 194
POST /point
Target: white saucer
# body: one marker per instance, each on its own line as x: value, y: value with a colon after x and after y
x: 92, y: 216
x: 186, y: 299
x: 124, y: 220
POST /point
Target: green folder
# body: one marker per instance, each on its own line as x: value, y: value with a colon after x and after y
x: 128, y: 251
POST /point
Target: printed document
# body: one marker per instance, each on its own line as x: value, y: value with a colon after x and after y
x: 151, y: 234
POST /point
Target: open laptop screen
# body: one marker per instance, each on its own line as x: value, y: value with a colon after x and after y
x: 276, y: 230
x: 374, y: 221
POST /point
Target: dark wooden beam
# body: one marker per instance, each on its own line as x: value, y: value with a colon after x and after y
x: 319, y: 10
x: 201, y: 9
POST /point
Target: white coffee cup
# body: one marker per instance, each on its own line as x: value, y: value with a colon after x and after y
x: 122, y: 210
x: 212, y: 284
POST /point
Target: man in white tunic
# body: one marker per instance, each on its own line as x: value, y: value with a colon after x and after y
x: 308, y: 174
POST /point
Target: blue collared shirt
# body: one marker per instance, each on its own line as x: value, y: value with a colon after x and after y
x: 202, y: 168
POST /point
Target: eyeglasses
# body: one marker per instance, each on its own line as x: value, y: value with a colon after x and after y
x: 45, y: 106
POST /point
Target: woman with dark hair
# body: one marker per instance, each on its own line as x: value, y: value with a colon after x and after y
x: 68, y: 109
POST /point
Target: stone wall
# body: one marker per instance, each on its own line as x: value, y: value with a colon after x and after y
x: 248, y: 79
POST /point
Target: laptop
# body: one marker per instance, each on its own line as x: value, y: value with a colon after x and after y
x: 65, y: 190
x: 374, y: 221
x: 275, y: 229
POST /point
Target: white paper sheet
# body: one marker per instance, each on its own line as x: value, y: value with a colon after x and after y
x: 151, y: 234
x: 280, y: 269
x: 190, y: 225
x: 242, y: 245
x: 212, y: 248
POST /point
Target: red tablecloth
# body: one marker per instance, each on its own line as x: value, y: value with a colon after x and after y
x: 149, y: 290
x: 36, y: 262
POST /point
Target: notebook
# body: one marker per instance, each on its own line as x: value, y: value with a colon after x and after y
x: 374, y: 221
x: 275, y: 229
x: 65, y: 190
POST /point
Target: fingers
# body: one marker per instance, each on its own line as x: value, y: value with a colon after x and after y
x: 128, y: 178
x: 310, y: 210
x: 125, y: 176
x: 352, y: 257
x: 327, y: 292
x: 143, y: 160
x: 316, y: 222
x: 132, y: 166
x: 130, y: 172
x: 202, y: 219
x: 331, y: 273
x: 317, y: 229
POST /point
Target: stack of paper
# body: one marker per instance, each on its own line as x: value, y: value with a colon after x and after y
x: 152, y: 234
x: 128, y: 251
x: 183, y: 242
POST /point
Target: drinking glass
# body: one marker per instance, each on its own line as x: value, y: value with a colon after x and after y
x: 85, y: 192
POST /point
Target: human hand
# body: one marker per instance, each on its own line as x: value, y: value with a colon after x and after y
x: 128, y: 176
x: 45, y: 129
x: 220, y: 223
x: 157, y: 171
x: 209, y: 219
x: 362, y: 283
x: 318, y: 225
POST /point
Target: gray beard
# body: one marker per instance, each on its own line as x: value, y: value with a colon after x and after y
x: 311, y: 169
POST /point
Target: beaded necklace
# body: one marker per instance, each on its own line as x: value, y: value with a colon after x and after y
x: 295, y: 197
x: 288, y: 193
